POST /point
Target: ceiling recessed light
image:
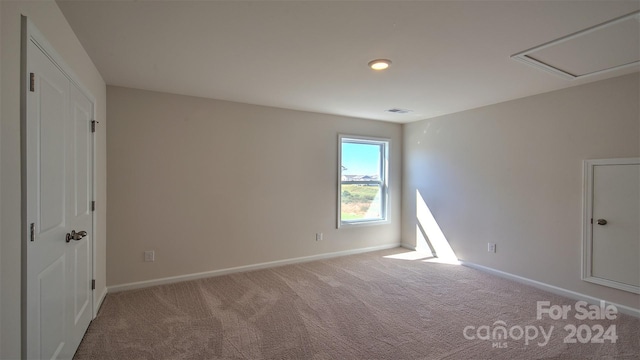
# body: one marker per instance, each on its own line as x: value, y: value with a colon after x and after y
x: 379, y: 64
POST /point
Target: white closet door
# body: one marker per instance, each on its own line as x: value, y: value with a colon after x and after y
x: 616, y: 223
x: 58, y: 191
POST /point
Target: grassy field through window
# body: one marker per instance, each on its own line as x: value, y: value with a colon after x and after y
x: 360, y: 202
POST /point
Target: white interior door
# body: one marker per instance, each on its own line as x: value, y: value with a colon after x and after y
x: 615, y: 223
x: 58, y: 195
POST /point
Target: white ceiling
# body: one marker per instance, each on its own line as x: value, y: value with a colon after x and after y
x: 447, y: 56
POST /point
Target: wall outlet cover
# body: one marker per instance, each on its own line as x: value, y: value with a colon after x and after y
x: 149, y: 256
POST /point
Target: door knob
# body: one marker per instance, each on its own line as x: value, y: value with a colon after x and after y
x: 75, y: 235
x: 601, y: 222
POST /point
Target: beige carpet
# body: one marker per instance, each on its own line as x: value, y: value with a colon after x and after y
x: 365, y: 306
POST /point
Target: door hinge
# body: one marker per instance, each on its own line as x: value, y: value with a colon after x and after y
x: 93, y: 126
x: 32, y: 229
x: 591, y: 221
x: 93, y: 284
x: 32, y: 82
x: 93, y: 206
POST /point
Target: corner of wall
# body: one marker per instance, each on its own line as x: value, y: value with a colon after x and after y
x: 1, y: 309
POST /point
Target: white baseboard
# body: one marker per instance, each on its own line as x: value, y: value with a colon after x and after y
x: 265, y: 265
x: 408, y: 247
x: 552, y: 289
x: 98, y: 304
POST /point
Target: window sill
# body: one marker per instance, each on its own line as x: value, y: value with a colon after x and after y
x: 343, y: 225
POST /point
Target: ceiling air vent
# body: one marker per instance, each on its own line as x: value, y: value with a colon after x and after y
x: 398, y: 111
x: 612, y: 45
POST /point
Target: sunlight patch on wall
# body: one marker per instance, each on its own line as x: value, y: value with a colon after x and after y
x: 435, y: 238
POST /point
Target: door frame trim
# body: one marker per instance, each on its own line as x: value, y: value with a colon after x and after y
x: 29, y: 32
x: 587, y: 227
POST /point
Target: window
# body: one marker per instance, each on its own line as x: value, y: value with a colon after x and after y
x: 362, y: 192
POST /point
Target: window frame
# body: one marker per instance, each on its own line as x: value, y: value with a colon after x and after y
x: 383, y: 182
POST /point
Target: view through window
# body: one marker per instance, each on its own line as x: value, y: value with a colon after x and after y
x: 363, y: 180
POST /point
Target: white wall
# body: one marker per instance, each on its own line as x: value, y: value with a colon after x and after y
x: 0, y: 177
x: 211, y: 184
x: 49, y: 20
x: 511, y: 173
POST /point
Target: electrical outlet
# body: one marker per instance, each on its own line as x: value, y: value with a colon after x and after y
x: 149, y: 256
x: 318, y: 236
x: 491, y: 247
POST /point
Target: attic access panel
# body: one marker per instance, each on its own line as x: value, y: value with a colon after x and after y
x: 609, y: 46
